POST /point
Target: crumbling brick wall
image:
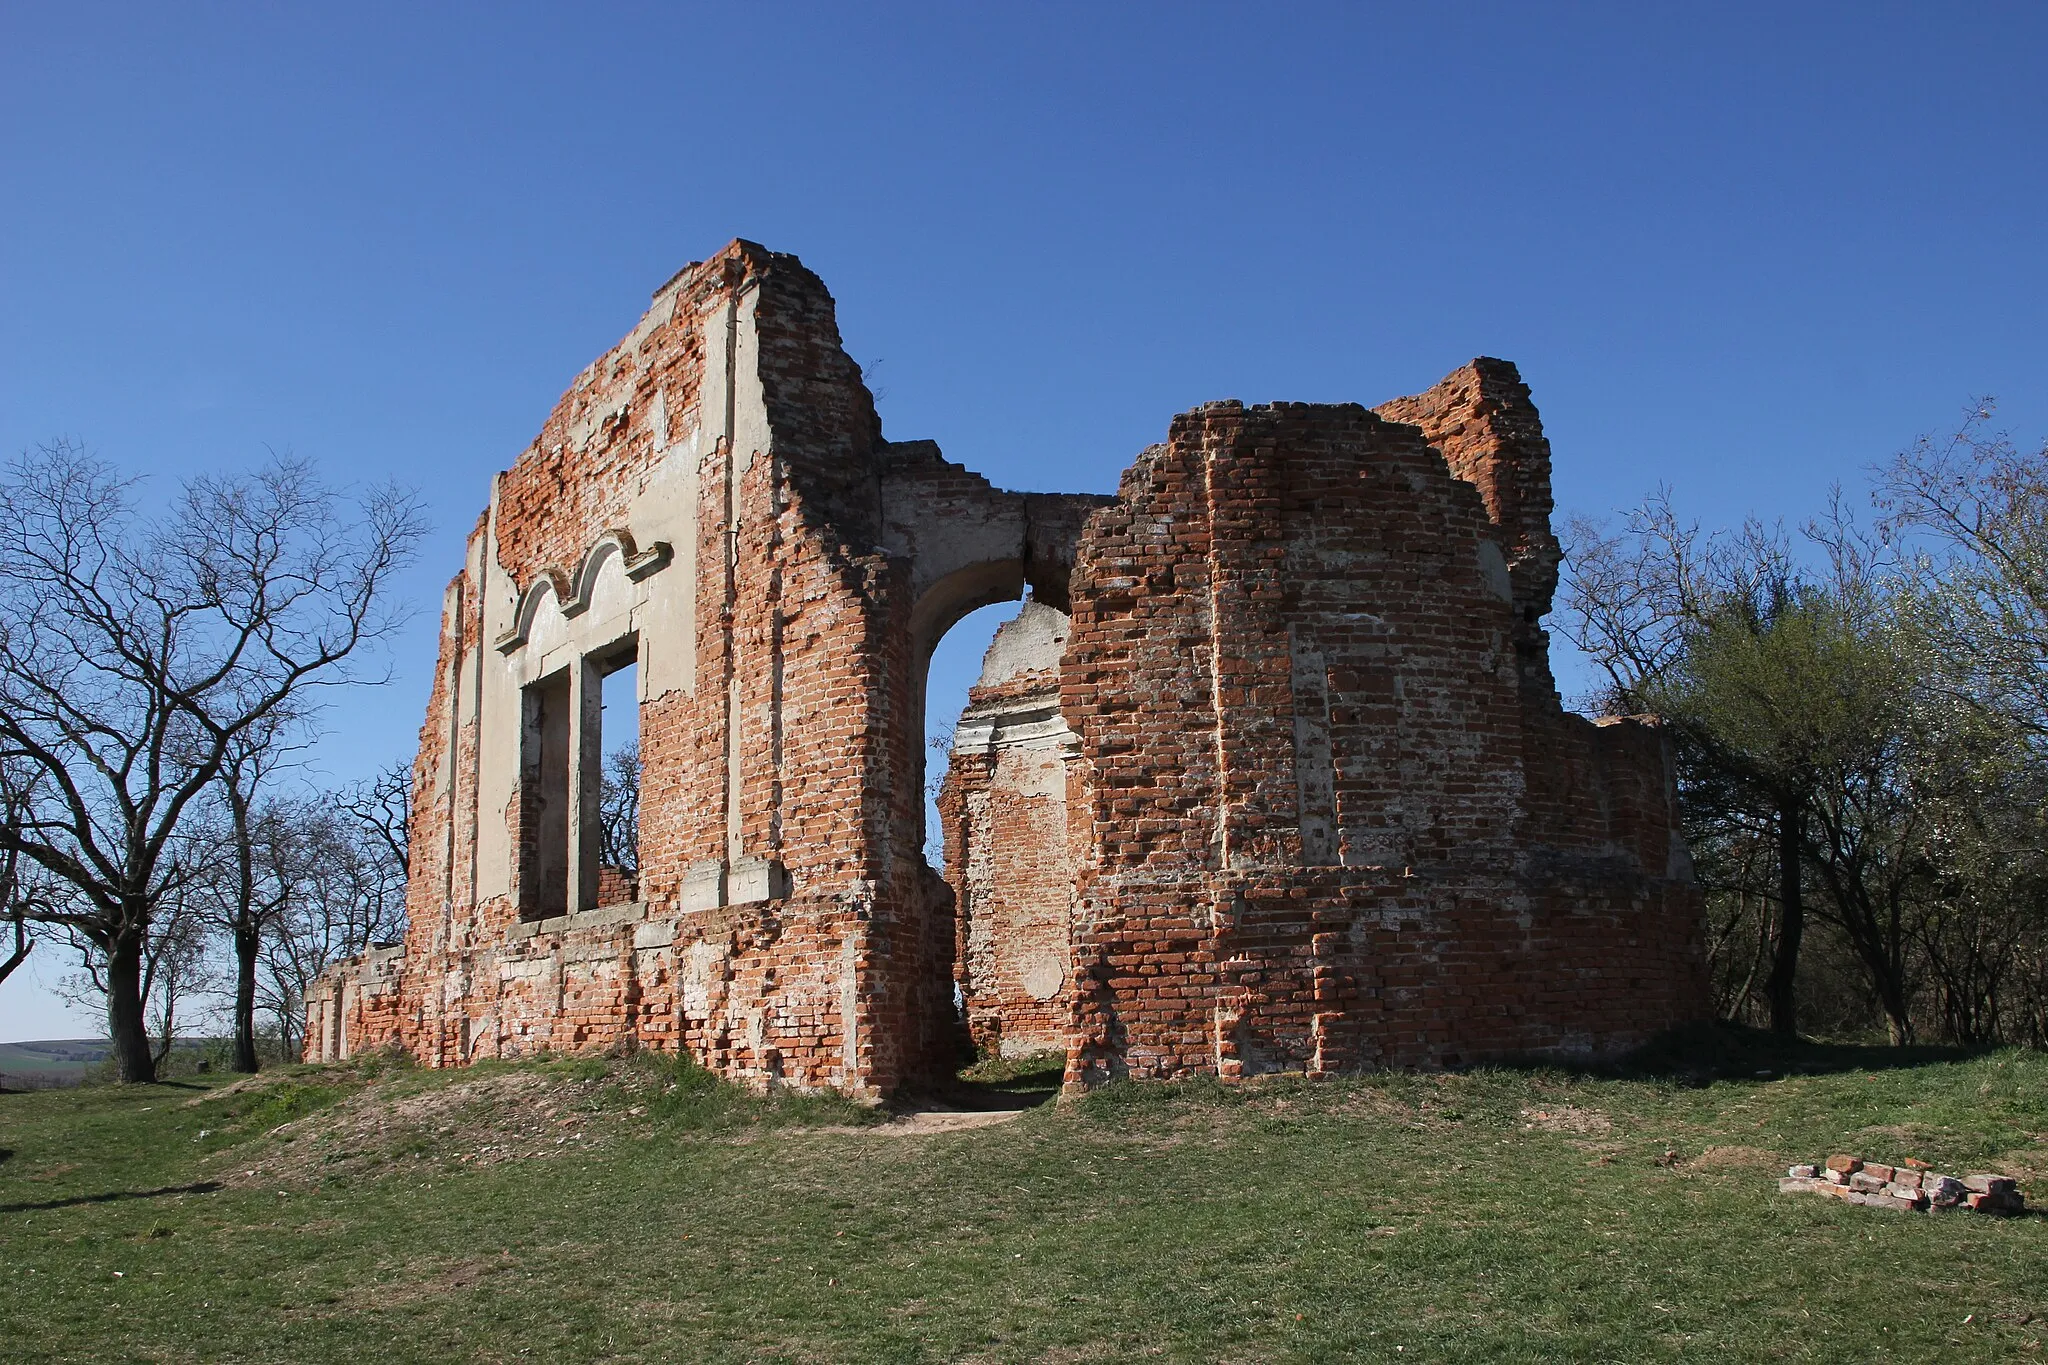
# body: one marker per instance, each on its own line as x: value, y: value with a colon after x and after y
x: 1322, y: 809
x: 1308, y: 726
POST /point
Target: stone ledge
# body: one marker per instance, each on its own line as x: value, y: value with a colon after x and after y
x: 604, y: 917
x: 654, y: 934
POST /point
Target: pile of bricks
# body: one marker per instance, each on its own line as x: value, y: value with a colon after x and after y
x: 1910, y: 1188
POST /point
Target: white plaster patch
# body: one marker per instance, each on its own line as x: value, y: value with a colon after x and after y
x: 1493, y: 567
x: 1042, y: 974
x: 701, y: 969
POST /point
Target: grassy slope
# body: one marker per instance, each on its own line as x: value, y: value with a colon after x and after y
x: 570, y: 1211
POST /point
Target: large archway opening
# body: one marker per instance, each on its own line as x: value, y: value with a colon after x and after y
x: 998, y: 832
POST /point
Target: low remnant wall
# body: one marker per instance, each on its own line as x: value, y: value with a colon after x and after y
x: 1269, y: 773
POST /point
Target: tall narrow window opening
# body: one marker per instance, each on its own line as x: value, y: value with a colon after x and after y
x: 617, y: 845
x: 544, y: 798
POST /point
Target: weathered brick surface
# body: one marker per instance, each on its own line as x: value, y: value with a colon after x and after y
x: 1306, y: 798
x: 1315, y: 838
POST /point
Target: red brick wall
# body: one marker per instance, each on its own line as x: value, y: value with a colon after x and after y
x: 1315, y: 840
x: 1326, y: 811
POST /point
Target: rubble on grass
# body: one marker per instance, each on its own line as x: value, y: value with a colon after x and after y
x: 1910, y: 1187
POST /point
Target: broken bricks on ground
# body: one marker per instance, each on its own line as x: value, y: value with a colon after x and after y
x: 1910, y: 1187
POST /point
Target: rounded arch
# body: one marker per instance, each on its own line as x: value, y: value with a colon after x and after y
x: 608, y: 546
x: 548, y: 582
x: 965, y: 590
x: 968, y: 588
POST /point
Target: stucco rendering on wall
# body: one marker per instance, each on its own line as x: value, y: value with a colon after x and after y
x: 1269, y: 772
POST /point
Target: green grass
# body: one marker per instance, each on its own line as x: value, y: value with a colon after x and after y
x: 1033, y: 1074
x: 580, y: 1210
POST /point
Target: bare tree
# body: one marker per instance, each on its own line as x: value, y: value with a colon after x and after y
x: 247, y: 895
x: 177, y: 967
x: 382, y: 805
x: 347, y: 895
x: 17, y: 919
x: 1980, y: 502
x: 16, y: 893
x: 618, y: 810
x: 136, y: 652
x: 938, y: 763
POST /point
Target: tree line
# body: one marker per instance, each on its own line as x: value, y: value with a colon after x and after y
x: 162, y: 669
x: 1859, y: 711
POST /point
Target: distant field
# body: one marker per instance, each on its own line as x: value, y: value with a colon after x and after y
x: 66, y: 1061
x: 583, y: 1210
x: 51, y: 1062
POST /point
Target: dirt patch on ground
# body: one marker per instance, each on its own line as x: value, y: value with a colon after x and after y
x: 1736, y: 1158
x: 924, y: 1123
x: 434, y: 1278
x: 1567, y: 1118
x: 261, y: 1080
x: 466, y: 1121
x: 2028, y: 1165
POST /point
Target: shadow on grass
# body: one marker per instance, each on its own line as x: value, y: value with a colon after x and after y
x: 992, y: 1085
x: 112, y: 1197
x: 1698, y: 1054
x: 1692, y: 1057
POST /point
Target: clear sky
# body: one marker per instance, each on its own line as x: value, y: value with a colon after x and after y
x: 1743, y: 250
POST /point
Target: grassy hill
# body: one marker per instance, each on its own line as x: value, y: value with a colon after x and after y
x: 627, y: 1211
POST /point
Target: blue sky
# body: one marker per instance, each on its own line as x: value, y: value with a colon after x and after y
x: 1745, y: 251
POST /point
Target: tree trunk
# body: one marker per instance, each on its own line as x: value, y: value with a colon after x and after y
x: 1898, y: 1009
x: 133, y: 1061
x: 1781, y: 990
x: 247, y: 941
x: 244, y: 925
x: 1898, y: 1024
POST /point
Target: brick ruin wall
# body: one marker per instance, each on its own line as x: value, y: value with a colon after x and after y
x: 1293, y: 791
x: 1338, y: 817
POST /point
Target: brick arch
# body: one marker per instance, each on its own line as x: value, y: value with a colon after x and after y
x: 963, y: 591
